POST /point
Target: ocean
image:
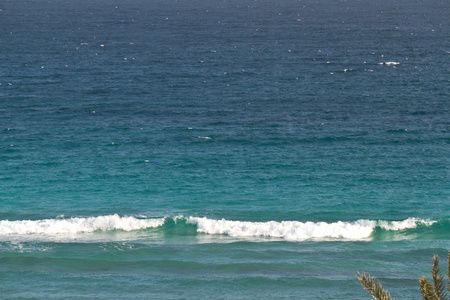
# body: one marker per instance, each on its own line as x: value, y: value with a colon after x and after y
x: 222, y: 149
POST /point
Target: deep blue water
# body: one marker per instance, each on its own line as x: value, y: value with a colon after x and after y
x: 222, y: 149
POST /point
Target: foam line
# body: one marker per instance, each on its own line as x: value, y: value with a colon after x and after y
x: 76, y: 225
x: 299, y: 231
x: 288, y: 230
x: 405, y: 224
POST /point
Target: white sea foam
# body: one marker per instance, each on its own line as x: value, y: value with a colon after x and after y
x: 76, y: 225
x: 299, y: 231
x: 405, y: 224
x: 288, y: 230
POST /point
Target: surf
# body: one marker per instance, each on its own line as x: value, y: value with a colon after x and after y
x: 358, y: 230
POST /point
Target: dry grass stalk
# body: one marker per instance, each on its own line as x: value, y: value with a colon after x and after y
x: 374, y: 287
x: 428, y: 290
x: 448, y: 271
x: 438, y: 279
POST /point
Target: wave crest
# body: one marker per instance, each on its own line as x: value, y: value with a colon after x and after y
x: 405, y: 224
x: 77, y: 225
x: 180, y: 226
x: 289, y: 230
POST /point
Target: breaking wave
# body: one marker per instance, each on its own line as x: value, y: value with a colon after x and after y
x: 77, y: 225
x: 285, y: 230
x: 300, y: 231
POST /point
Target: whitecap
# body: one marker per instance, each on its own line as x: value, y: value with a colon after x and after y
x: 62, y: 228
x: 405, y: 224
x: 300, y: 231
x: 289, y: 230
x: 76, y: 225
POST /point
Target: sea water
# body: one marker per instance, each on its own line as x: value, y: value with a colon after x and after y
x: 222, y: 149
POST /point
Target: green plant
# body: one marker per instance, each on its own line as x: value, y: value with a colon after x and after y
x: 435, y: 291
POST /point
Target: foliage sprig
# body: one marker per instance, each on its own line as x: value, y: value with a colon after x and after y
x: 435, y: 291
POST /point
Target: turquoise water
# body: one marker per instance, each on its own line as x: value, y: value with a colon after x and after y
x: 222, y: 149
